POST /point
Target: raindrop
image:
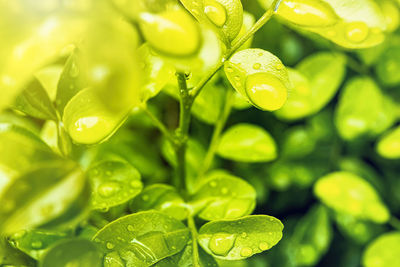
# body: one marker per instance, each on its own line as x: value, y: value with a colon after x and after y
x: 257, y: 66
x: 357, y: 31
x: 108, y: 189
x: 220, y: 244
x: 110, y: 245
x: 246, y: 252
x: 130, y: 228
x: 263, y: 246
x: 215, y: 12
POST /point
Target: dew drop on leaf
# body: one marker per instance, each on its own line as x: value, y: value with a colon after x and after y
x: 108, y: 189
x: 130, y: 228
x: 266, y: 91
x: 110, y: 245
x: 246, y: 252
x: 215, y: 12
x: 357, y: 31
x: 220, y: 244
x: 263, y: 246
x: 257, y: 66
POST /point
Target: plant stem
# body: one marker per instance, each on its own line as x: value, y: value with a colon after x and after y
x: 193, y: 230
x: 183, y: 130
x: 163, y: 129
x: 235, y: 46
x: 217, y: 133
x: 395, y: 223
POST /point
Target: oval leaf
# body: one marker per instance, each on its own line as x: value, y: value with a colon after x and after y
x: 388, y: 145
x: 241, y: 238
x: 383, y: 251
x: 224, y: 196
x: 247, y: 143
x: 348, y: 193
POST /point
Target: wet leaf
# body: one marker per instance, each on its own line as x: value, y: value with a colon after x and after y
x: 383, y: 251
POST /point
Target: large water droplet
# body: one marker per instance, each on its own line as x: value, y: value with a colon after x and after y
x: 357, y: 31
x: 108, y: 189
x: 246, y: 252
x: 173, y: 32
x: 220, y: 244
x: 266, y: 91
x: 215, y: 12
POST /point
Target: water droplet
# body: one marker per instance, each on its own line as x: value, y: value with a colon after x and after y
x: 37, y: 244
x: 130, y: 228
x: 246, y: 252
x: 263, y: 246
x: 145, y: 197
x: 244, y: 235
x: 266, y: 91
x: 108, y: 189
x: 224, y: 190
x: 357, y: 31
x: 74, y: 71
x: 213, y: 184
x: 237, y: 78
x: 110, y: 245
x: 220, y: 244
x: 173, y: 32
x: 257, y: 66
x: 279, y: 66
x: 215, y: 12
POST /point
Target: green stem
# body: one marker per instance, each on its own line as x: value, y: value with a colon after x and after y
x: 395, y: 223
x: 356, y: 66
x: 217, y: 133
x: 183, y: 130
x: 163, y: 129
x: 235, y: 46
x: 193, y: 230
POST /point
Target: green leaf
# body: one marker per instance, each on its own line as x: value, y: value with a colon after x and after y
x: 73, y: 252
x: 143, y: 238
x: 10, y: 256
x: 160, y: 197
x: 312, y: 236
x: 241, y: 238
x: 88, y: 121
x: 35, y: 242
x: 298, y: 142
x: 388, y: 67
x: 49, y: 78
x: 260, y: 77
x: 313, y: 85
x: 185, y: 259
x: 223, y: 196
x: 40, y: 195
x: 72, y: 79
x: 348, y: 193
x: 35, y: 102
x: 225, y: 17
x: 113, y: 183
x: 383, y: 251
x: 247, y: 143
x: 388, y: 145
x: 363, y: 109
x: 355, y: 24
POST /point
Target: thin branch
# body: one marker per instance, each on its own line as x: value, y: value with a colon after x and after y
x: 193, y: 230
x: 157, y: 123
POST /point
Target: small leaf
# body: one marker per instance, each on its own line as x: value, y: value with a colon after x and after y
x: 223, y: 196
x: 143, y: 238
x: 348, y: 193
x: 388, y: 66
x: 313, y: 85
x: 209, y: 103
x: 363, y: 109
x: 260, y: 77
x: 298, y: 142
x: 225, y: 17
x: 35, y: 102
x: 40, y: 195
x: 73, y: 79
x: 312, y: 236
x: 247, y: 143
x: 113, y: 183
x: 383, y: 251
x: 388, y: 145
x: 73, y: 252
x: 35, y: 242
x: 241, y: 238
x: 88, y: 121
x: 163, y: 198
